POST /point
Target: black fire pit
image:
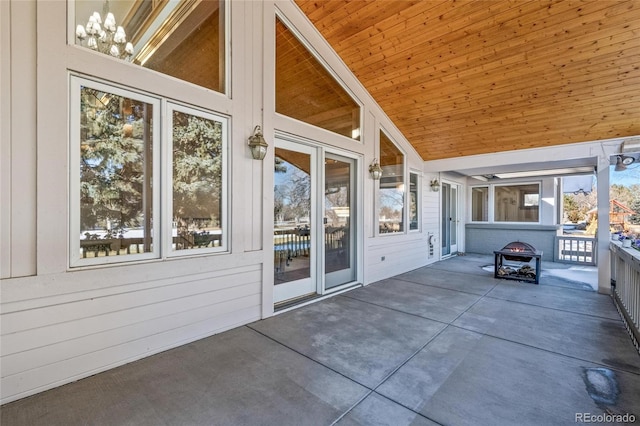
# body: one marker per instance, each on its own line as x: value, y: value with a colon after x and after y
x: 517, y: 251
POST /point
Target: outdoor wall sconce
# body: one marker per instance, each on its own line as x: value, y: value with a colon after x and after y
x: 375, y: 169
x: 435, y: 185
x: 257, y: 144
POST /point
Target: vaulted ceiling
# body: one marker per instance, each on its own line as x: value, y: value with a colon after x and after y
x: 479, y: 76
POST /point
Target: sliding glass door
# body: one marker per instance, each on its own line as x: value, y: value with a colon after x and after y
x: 314, y: 236
x: 294, y: 233
x: 339, y: 202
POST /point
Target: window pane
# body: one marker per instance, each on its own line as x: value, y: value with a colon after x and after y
x: 306, y: 91
x: 413, y: 201
x: 174, y: 38
x: 293, y: 247
x: 517, y: 203
x: 391, y: 187
x: 480, y: 204
x: 198, y: 146
x: 115, y: 174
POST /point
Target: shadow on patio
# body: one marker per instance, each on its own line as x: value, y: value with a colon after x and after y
x: 444, y: 344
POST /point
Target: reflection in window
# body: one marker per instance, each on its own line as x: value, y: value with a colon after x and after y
x: 306, y: 91
x: 198, y: 180
x: 172, y: 37
x: 517, y: 203
x: 292, y: 216
x: 115, y: 174
x: 480, y: 204
x: 390, y: 218
x: 413, y: 201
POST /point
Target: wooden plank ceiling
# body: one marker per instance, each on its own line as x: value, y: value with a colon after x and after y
x: 473, y: 76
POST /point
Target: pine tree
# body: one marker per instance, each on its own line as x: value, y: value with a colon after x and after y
x: 112, y: 162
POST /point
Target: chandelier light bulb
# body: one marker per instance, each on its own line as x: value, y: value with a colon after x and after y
x: 129, y: 49
x: 81, y: 33
x: 105, y: 36
x: 92, y: 43
x: 110, y: 22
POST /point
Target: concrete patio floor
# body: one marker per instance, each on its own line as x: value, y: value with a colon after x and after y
x: 445, y: 344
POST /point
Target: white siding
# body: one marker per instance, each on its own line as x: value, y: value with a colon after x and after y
x: 18, y: 135
x: 58, y: 324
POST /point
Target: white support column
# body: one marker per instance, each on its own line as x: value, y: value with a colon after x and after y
x: 603, y: 235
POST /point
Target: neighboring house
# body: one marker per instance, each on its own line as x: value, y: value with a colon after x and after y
x: 134, y: 218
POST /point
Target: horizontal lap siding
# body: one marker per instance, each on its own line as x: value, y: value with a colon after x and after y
x: 46, y: 346
x: 400, y: 256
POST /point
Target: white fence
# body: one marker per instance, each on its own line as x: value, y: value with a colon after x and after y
x: 580, y: 250
x: 625, y: 274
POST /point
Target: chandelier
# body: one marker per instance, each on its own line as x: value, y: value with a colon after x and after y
x: 107, y: 37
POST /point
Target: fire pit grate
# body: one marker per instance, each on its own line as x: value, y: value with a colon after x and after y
x: 520, y: 252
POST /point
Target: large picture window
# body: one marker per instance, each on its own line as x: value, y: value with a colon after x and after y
x: 391, y: 214
x: 114, y: 178
x: 306, y: 91
x: 516, y: 203
x: 115, y: 181
x: 183, y: 39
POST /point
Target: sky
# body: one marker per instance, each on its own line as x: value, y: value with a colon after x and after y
x: 627, y: 177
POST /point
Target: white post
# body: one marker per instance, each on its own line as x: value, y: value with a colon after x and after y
x: 603, y: 235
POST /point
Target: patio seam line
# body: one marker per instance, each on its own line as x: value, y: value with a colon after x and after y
x: 402, y: 364
x: 382, y: 396
x: 480, y: 297
x: 421, y: 349
x: 382, y: 282
x: 308, y: 357
x: 553, y: 309
x: 341, y: 416
x: 491, y: 335
x: 437, y: 286
x: 398, y: 310
x: 369, y: 390
x: 408, y: 408
x: 547, y: 350
x: 446, y: 325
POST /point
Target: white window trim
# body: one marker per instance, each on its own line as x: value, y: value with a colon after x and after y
x: 491, y: 201
x: 167, y: 9
x: 405, y: 213
x: 418, y: 201
x: 281, y: 16
x: 75, y: 257
x: 167, y: 212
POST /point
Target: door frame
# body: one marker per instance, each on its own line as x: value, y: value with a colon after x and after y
x: 317, y: 266
x: 449, y: 185
x: 353, y: 249
x: 299, y: 288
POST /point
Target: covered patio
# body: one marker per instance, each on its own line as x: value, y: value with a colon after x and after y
x: 443, y: 344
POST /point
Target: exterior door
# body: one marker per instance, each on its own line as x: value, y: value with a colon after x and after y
x: 294, y: 232
x: 450, y: 219
x: 339, y: 212
x: 314, y: 237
